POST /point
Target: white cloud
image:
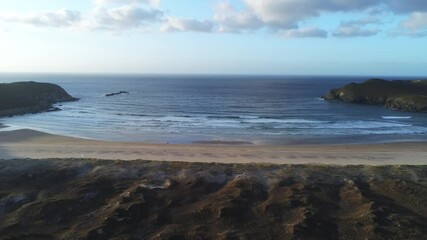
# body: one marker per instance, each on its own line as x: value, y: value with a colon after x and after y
x: 304, y: 33
x: 344, y: 31
x: 111, y: 19
x: 187, y: 25
x: 149, y: 2
x: 232, y: 20
x: 416, y: 21
x: 415, y: 25
x: 287, y: 14
x: 59, y: 18
x: 125, y: 17
x: 287, y: 18
x: 357, y: 28
x: 362, y: 22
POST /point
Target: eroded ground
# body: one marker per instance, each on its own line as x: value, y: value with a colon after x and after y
x: 89, y: 199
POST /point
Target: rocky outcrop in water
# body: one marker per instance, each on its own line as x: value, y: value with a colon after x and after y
x: 30, y: 97
x: 116, y: 93
x: 403, y: 95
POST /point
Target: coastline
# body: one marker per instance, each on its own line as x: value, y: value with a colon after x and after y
x: 38, y: 145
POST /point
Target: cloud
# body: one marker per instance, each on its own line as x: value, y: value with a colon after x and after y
x: 304, y: 33
x: 231, y: 20
x: 59, y: 18
x: 415, y: 25
x: 361, y: 22
x: 416, y: 21
x: 287, y: 14
x: 344, y: 31
x: 111, y: 19
x: 407, y: 6
x: 126, y: 2
x: 125, y: 17
x: 356, y: 28
x: 187, y: 25
x: 287, y: 18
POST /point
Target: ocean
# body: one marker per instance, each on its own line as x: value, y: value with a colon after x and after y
x: 212, y: 108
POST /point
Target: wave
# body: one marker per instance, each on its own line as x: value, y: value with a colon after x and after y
x: 223, y: 117
x: 396, y: 117
x: 362, y: 125
x: 285, y: 121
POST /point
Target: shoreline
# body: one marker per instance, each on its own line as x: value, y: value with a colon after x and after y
x: 278, y: 142
x: 38, y: 145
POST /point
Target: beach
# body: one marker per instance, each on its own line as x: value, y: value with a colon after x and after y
x: 213, y: 120
x: 38, y: 145
x: 58, y: 187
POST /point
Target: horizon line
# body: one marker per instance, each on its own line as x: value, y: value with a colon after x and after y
x: 213, y: 74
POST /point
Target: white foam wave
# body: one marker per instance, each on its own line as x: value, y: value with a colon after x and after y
x: 396, y: 117
x: 274, y: 120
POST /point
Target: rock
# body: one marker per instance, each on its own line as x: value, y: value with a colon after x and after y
x: 403, y: 95
x: 53, y: 109
x: 30, y: 97
x: 116, y: 93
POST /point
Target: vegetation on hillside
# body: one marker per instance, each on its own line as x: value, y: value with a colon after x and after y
x: 401, y: 95
x: 30, y: 97
x: 89, y: 199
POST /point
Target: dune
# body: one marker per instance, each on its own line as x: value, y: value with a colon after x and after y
x: 101, y: 199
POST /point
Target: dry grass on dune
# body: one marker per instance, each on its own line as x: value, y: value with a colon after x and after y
x: 89, y: 199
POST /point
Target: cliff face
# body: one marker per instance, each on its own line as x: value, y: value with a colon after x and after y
x: 30, y: 97
x: 400, y: 95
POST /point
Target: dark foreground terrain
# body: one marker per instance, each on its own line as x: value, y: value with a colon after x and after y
x: 88, y: 199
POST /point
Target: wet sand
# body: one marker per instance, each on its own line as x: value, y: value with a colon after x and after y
x: 37, y: 145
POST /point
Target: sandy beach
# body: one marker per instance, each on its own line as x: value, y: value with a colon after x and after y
x: 37, y: 145
x: 61, y: 187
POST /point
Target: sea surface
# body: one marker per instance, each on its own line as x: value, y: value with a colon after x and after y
x: 205, y: 108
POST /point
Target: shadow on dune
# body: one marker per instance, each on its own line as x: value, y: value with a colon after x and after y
x: 16, y: 136
x: 4, y: 153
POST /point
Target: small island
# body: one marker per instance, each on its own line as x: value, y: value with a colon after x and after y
x: 116, y: 93
x: 30, y: 97
x: 402, y: 95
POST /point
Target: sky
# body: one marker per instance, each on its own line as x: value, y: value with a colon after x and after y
x: 289, y: 37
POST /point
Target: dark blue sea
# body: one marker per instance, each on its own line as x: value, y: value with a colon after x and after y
x: 198, y: 108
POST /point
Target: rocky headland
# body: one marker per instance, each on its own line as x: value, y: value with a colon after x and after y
x: 30, y: 97
x: 403, y: 95
x: 92, y: 199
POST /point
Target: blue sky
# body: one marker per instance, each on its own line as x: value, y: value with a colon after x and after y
x: 337, y: 37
